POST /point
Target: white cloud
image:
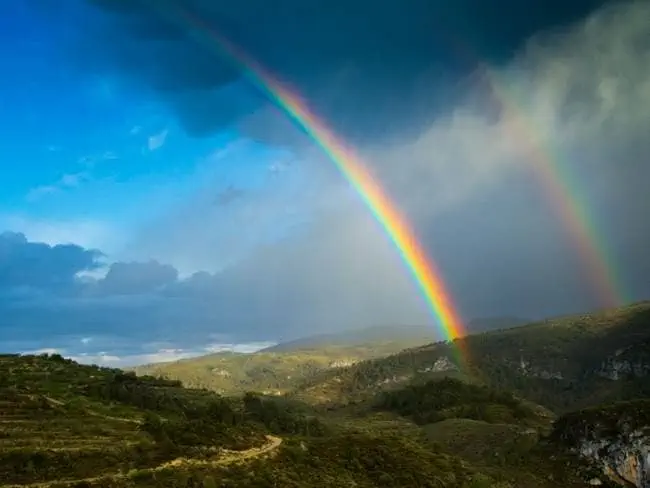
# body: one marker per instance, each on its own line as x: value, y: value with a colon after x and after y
x: 157, y: 140
x: 45, y: 350
x: 279, y: 167
x: 72, y: 180
x: 100, y: 358
x: 169, y: 354
x: 67, y: 181
x: 175, y: 354
x: 574, y: 90
x: 242, y: 348
x: 228, y: 149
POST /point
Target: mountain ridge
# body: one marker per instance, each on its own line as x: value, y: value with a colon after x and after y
x: 606, y: 351
x: 416, y: 417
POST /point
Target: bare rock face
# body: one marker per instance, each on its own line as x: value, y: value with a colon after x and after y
x: 342, y: 363
x: 631, y: 361
x: 525, y: 368
x: 625, y: 460
x: 615, y: 369
x: 615, y: 440
x: 440, y: 365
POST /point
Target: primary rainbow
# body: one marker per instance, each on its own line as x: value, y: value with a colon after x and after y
x: 353, y: 170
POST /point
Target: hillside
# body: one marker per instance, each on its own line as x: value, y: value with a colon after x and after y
x: 563, y: 363
x: 68, y: 425
x: 421, y: 417
x: 278, y: 369
x: 416, y: 335
x: 436, y: 401
x: 63, y: 421
x: 485, y: 324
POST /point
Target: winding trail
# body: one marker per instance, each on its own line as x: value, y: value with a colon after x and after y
x: 227, y: 457
x: 59, y: 403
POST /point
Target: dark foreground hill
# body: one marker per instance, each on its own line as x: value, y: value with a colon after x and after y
x: 68, y: 425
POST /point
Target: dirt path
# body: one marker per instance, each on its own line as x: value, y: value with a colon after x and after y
x: 59, y: 403
x: 226, y: 458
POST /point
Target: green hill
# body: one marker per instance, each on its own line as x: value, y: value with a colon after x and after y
x: 563, y: 363
x: 64, y: 424
x: 278, y: 369
x: 413, y: 335
x: 436, y: 401
x: 67, y: 425
x: 63, y: 421
x: 418, y: 418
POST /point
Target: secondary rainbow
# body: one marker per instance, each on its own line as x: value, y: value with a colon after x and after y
x: 422, y: 269
x: 563, y: 195
x: 552, y: 173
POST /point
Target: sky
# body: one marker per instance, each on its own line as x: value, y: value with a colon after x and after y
x: 156, y: 204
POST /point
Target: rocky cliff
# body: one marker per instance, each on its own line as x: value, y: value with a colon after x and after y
x: 615, y: 440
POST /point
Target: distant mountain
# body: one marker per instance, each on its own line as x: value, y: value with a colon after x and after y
x: 278, y: 369
x: 495, y: 323
x: 412, y: 334
x: 562, y: 363
x: 415, y: 334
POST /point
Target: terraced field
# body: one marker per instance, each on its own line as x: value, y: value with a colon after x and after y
x: 38, y: 432
x: 51, y: 435
x: 66, y: 425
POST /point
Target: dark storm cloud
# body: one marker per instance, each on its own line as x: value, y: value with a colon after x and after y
x: 136, y: 278
x: 576, y: 114
x: 369, y: 67
x: 38, y: 265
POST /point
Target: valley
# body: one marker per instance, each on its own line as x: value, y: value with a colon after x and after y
x: 559, y: 403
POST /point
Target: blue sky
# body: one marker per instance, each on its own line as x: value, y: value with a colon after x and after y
x: 88, y: 152
x: 118, y: 133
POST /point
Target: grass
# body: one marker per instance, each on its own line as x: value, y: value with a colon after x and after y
x: 56, y: 427
x: 476, y: 440
x: 558, y: 363
x: 42, y: 440
x: 383, y: 422
x: 272, y: 372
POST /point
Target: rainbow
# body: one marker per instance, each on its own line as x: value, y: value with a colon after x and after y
x: 562, y: 195
x: 552, y: 174
x: 350, y: 165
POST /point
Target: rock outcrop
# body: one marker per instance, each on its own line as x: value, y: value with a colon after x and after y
x: 625, y: 460
x: 440, y: 365
x: 615, y: 440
